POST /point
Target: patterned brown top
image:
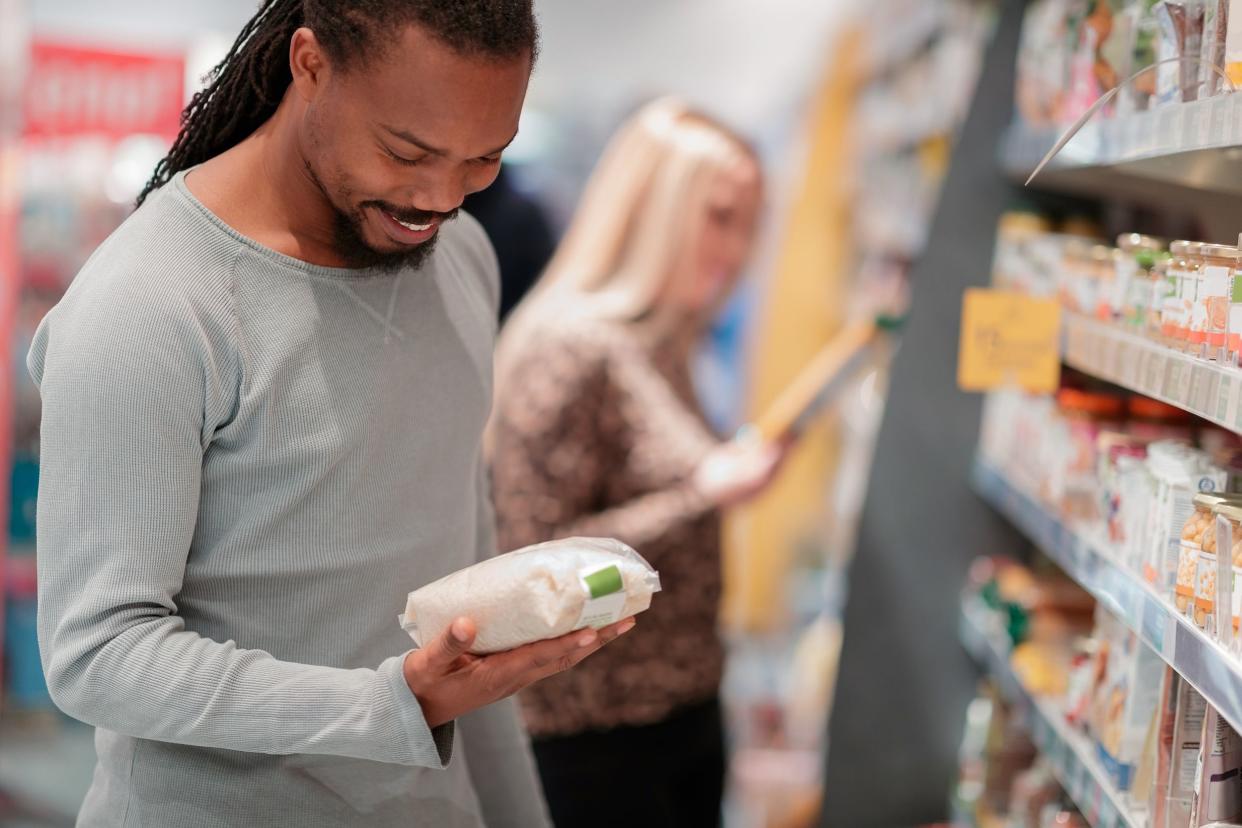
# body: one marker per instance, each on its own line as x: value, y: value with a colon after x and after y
x: 596, y: 433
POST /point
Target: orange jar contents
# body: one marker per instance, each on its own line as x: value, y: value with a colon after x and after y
x: 1209, y: 330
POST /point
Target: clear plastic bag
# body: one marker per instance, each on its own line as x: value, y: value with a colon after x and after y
x: 536, y: 593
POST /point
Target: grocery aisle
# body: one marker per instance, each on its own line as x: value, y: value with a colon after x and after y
x: 1083, y: 542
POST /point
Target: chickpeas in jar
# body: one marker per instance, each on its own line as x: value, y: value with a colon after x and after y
x: 1197, y: 525
x: 1210, y: 323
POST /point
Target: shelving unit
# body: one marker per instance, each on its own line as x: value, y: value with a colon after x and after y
x: 1070, y: 754
x: 1196, y: 145
x: 1213, y: 671
x: 1207, y: 389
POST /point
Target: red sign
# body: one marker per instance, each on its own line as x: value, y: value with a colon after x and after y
x: 74, y: 91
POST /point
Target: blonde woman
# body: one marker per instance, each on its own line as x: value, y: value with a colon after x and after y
x: 597, y: 432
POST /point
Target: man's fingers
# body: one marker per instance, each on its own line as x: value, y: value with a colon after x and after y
x: 452, y: 644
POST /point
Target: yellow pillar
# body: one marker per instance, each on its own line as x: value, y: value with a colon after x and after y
x: 802, y: 311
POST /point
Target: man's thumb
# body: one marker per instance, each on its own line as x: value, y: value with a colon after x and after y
x: 452, y: 643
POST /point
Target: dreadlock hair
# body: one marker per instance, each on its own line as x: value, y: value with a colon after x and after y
x: 244, y: 90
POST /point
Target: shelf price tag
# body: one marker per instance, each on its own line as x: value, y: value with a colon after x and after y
x: 1166, y: 129
x: 1155, y: 373
x: 1218, y: 134
x: 1192, y: 137
x: 1223, y: 394
x: 1009, y: 339
x: 1204, y: 395
x: 1172, y: 380
x: 1233, y: 120
x: 1129, y: 364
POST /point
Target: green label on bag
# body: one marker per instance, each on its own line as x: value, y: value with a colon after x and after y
x: 604, y: 582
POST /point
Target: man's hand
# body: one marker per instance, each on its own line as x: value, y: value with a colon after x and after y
x: 449, y: 682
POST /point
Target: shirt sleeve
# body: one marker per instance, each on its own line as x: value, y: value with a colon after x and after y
x: 133, y: 385
x: 556, y: 436
x: 496, y: 746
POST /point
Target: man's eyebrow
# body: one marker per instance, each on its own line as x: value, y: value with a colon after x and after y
x: 428, y: 148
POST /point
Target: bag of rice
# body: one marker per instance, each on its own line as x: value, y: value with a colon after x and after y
x: 533, y: 594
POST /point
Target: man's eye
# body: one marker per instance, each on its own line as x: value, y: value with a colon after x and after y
x: 400, y: 159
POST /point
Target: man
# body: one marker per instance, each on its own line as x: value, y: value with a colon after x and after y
x: 263, y: 403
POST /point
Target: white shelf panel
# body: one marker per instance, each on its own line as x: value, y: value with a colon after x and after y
x: 1212, y: 670
x: 1071, y: 754
x: 1207, y: 389
x: 1197, y: 145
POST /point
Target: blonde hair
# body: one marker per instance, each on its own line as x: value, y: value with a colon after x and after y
x: 645, y: 200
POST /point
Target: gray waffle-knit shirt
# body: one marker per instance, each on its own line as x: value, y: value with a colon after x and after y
x: 247, y: 462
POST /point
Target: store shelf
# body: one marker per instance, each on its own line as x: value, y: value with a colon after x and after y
x: 1207, y: 389
x: 1070, y: 754
x: 1195, y: 145
x: 1215, y: 673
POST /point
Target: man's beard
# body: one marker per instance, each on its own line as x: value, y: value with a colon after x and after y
x: 349, y: 239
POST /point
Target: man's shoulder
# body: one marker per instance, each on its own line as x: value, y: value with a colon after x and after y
x: 163, y: 249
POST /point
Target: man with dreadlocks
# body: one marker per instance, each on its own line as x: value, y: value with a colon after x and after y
x: 263, y: 405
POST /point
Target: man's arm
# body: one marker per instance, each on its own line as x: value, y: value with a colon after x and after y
x: 130, y: 385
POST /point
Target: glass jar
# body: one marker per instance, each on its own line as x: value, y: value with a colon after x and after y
x: 1197, y: 576
x: 1160, y: 285
x: 1234, y: 339
x: 1188, y: 292
x: 1133, y: 262
x: 1078, y: 277
x: 1209, y: 333
x: 1104, y: 274
x: 1171, y: 319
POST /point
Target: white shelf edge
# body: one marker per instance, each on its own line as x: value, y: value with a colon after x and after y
x: 1210, y: 124
x: 1206, y: 389
x: 1209, y: 668
x: 1070, y: 754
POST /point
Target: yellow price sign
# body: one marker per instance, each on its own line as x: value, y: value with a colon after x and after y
x: 1009, y: 339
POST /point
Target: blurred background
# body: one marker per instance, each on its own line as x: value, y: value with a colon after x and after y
x: 895, y: 135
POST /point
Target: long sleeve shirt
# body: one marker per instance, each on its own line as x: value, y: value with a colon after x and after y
x: 247, y: 461
x: 597, y: 433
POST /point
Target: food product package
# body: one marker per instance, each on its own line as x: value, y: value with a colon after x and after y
x: 1233, y: 43
x: 1131, y: 696
x: 1218, y: 796
x: 533, y: 594
x: 1215, y: 32
x: 1180, y: 35
x: 1187, y: 736
x: 1136, y: 96
x: 1166, y: 718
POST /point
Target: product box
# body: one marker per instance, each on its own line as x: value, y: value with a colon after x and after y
x: 1233, y: 43
x: 1131, y: 696
x: 1218, y: 795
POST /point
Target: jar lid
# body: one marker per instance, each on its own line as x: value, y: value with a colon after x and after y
x: 1087, y: 402
x: 1148, y: 409
x: 1130, y: 242
x: 1101, y: 253
x: 1194, y: 248
x: 1221, y: 251
x: 1210, y: 500
x: 1178, y: 248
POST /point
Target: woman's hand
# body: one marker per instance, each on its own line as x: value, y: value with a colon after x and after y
x: 738, y: 471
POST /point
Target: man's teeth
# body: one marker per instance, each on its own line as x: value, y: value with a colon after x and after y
x: 417, y: 228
